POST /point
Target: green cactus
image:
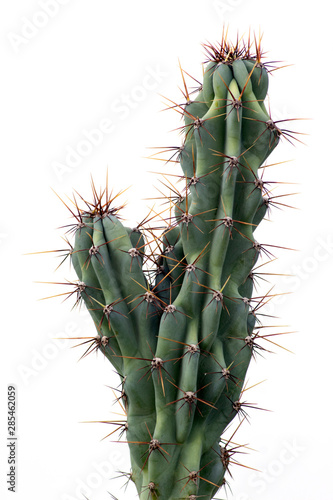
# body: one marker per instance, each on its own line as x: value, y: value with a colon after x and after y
x: 178, y: 323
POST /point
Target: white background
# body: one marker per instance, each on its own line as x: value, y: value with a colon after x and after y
x: 65, y: 72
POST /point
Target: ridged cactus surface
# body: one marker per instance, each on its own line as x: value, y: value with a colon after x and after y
x: 178, y: 321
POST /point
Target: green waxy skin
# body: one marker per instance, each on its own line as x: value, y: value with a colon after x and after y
x: 177, y: 323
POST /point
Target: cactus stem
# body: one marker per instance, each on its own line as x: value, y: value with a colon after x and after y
x: 194, y: 476
x: 254, y: 275
x: 150, y: 297
x: 190, y: 268
x: 80, y: 288
x: 226, y: 455
x: 190, y: 398
x: 155, y: 363
x: 120, y: 424
x: 191, y: 349
x: 95, y: 343
x: 232, y: 163
x: 225, y: 373
x: 153, y: 445
x: 270, y: 201
x: 176, y: 152
x: 121, y: 397
x: 196, y: 124
x: 153, y: 282
x: 108, y: 309
x: 218, y: 296
x: 186, y: 218
x: 152, y: 488
x: 228, y: 224
x: 256, y: 335
x: 93, y: 251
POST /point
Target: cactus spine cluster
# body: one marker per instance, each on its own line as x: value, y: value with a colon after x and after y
x: 179, y: 323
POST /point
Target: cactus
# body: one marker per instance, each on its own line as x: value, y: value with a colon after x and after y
x: 178, y: 322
